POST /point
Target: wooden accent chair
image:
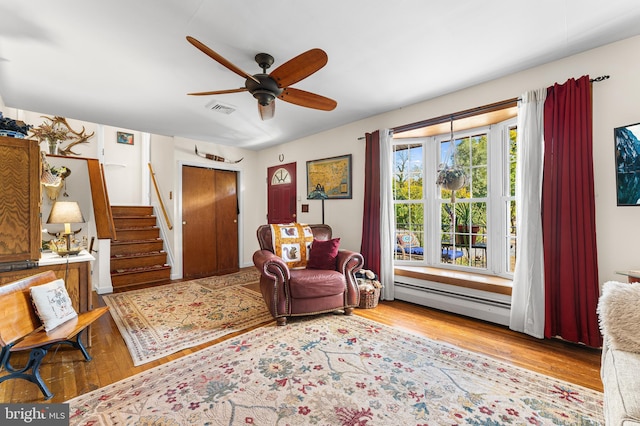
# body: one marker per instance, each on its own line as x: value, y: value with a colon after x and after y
x: 301, y: 291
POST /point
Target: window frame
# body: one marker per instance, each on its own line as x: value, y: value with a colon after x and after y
x: 498, y: 198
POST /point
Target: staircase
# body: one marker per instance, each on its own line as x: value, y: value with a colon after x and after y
x: 137, y: 256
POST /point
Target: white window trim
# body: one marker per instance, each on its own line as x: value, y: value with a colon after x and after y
x: 497, y: 206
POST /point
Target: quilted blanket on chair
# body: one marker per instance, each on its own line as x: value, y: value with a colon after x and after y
x: 292, y: 243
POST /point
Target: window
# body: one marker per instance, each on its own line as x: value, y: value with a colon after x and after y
x: 408, y: 197
x: 281, y: 177
x: 471, y: 228
x: 511, y: 200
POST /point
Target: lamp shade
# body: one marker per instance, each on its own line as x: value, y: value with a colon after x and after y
x: 318, y: 193
x: 65, y: 212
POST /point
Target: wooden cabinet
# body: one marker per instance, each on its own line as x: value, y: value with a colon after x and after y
x: 20, y: 238
x: 20, y: 227
x: 76, y: 273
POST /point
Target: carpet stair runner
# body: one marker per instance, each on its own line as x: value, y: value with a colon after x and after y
x: 137, y: 255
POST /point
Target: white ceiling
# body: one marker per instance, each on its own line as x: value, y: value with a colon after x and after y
x: 126, y: 63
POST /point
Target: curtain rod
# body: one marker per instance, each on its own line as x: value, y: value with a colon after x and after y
x: 508, y: 103
x: 470, y: 112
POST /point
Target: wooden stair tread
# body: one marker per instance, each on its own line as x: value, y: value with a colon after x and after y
x: 148, y: 240
x: 138, y: 256
x: 135, y: 277
x: 133, y: 222
x: 145, y: 253
x: 137, y: 228
x: 120, y: 210
x: 140, y: 269
x: 133, y: 234
x: 135, y: 216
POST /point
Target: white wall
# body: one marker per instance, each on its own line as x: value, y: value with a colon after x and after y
x: 122, y: 167
x: 343, y: 215
x: 75, y: 188
x: 616, y: 102
x: 249, y: 184
x: 161, y: 160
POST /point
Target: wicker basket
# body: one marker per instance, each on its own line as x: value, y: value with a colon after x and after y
x: 369, y: 298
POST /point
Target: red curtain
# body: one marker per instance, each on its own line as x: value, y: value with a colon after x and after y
x: 370, y: 245
x: 568, y: 215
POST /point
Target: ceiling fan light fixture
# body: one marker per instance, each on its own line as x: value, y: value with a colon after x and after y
x: 264, y: 97
x: 265, y: 88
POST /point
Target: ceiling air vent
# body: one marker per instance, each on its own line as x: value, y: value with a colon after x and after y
x: 220, y: 107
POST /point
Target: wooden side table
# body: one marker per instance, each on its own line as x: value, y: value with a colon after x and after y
x: 632, y: 276
x: 76, y: 273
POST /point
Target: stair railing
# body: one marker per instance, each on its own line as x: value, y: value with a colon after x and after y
x: 155, y: 185
x: 105, y: 228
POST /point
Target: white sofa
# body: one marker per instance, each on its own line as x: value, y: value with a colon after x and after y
x: 619, y: 315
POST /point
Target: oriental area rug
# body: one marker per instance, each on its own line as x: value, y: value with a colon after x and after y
x: 158, y: 321
x: 336, y: 370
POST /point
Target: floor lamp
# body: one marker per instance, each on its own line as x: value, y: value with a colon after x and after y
x: 319, y: 194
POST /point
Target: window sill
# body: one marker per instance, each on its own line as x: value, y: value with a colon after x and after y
x: 487, y: 283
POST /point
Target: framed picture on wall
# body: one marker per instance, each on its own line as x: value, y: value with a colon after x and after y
x: 332, y: 174
x: 627, y: 143
x: 125, y: 138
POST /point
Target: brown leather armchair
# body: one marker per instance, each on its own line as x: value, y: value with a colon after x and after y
x: 295, y: 292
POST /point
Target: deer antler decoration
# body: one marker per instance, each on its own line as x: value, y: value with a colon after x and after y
x: 60, y: 130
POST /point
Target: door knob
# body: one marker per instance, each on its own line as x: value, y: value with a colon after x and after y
x: 184, y: 222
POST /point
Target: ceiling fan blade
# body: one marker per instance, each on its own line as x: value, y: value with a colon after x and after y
x: 219, y: 92
x: 307, y: 99
x: 216, y: 57
x: 267, y: 111
x: 300, y: 67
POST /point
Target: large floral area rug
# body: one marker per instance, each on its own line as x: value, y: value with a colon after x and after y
x: 336, y: 370
x: 158, y: 321
x: 244, y: 276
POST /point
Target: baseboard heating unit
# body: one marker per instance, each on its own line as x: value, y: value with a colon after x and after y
x: 487, y: 306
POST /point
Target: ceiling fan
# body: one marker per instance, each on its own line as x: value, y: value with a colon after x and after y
x: 267, y: 87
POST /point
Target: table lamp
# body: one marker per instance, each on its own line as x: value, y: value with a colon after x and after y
x: 319, y: 194
x: 66, y: 212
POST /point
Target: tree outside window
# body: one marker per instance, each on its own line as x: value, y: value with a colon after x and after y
x: 464, y: 229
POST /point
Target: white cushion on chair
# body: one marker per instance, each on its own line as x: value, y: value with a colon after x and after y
x: 52, y: 304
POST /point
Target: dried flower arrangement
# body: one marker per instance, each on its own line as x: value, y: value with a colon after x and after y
x: 58, y: 130
x: 49, y: 132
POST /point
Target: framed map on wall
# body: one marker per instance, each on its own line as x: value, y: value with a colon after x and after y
x: 333, y: 174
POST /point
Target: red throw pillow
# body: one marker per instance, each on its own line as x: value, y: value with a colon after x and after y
x: 323, y: 254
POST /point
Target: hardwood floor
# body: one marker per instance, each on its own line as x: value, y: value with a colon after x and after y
x: 67, y: 374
